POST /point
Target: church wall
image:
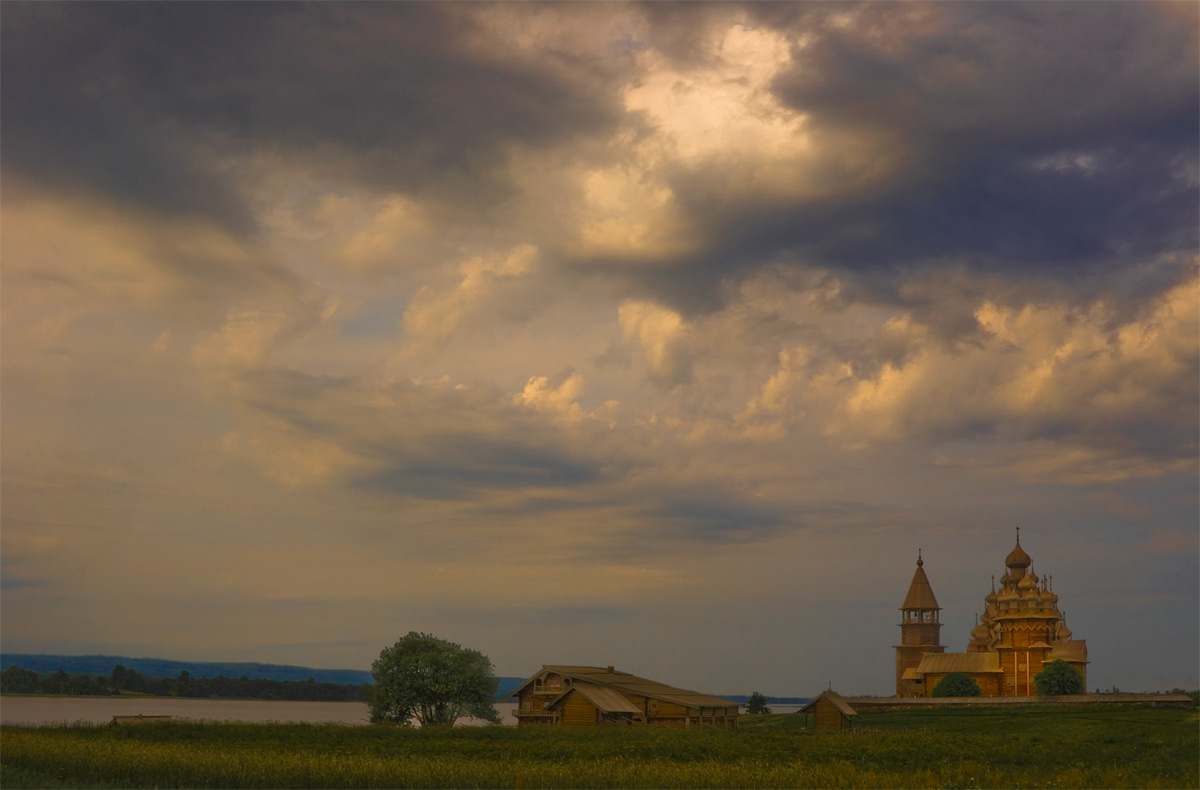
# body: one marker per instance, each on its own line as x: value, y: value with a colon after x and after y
x: 909, y: 657
x: 920, y: 633
x: 577, y: 710
x: 989, y: 684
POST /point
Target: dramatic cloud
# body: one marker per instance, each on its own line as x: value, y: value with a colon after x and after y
x: 534, y: 324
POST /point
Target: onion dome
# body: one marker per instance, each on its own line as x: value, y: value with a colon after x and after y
x: 1017, y: 558
x: 1027, y: 585
x: 1049, y: 596
x: 1064, y: 633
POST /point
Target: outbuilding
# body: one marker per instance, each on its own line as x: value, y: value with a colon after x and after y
x: 830, y: 712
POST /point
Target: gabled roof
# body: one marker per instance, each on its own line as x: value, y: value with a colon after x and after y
x: 629, y: 684
x: 920, y: 593
x: 1075, y: 648
x: 838, y: 702
x: 606, y: 700
x: 959, y: 662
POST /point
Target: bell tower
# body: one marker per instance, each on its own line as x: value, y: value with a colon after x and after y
x: 920, y: 631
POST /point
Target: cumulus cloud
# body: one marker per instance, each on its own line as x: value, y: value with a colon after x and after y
x: 660, y: 335
x: 249, y: 336
x: 540, y: 394
x: 437, y: 311
x: 70, y: 251
x: 1048, y: 372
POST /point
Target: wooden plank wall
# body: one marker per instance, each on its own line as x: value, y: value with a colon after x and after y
x: 828, y: 717
x: 576, y: 710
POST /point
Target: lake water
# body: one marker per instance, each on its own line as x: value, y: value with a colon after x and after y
x: 100, y: 710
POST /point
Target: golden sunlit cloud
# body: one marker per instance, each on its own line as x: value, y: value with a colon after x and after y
x: 1040, y: 365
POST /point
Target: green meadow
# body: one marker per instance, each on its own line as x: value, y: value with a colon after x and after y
x: 1038, y: 747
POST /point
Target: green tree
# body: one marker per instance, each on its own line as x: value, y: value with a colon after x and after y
x: 1058, y: 679
x: 16, y: 680
x: 116, y: 681
x: 757, y: 703
x: 433, y: 681
x: 957, y: 684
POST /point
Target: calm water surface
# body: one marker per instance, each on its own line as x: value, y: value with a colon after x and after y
x: 100, y: 710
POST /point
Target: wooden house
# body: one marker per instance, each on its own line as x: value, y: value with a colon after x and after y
x: 596, y: 696
x: 830, y: 712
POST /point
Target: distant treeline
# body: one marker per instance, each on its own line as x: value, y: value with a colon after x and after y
x: 16, y: 680
x: 166, y: 668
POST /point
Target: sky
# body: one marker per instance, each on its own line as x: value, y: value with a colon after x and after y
x: 660, y: 336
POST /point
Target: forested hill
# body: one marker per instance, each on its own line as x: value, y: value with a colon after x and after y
x: 164, y: 668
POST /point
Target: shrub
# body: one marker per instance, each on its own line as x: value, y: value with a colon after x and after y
x: 957, y: 684
x: 1058, y: 679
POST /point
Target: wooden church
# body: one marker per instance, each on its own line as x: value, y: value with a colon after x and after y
x: 1020, y: 631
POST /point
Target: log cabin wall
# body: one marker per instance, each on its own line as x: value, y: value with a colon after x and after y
x: 577, y: 711
x: 828, y: 717
x: 666, y: 714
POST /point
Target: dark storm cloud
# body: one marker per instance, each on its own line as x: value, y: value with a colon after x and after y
x: 83, y: 109
x: 712, y: 519
x: 1033, y: 139
x: 466, y: 465
x: 1045, y: 137
x: 140, y: 101
x: 10, y: 582
x: 432, y: 442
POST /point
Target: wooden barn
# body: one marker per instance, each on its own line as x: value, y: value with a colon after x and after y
x: 830, y: 712
x: 597, y: 696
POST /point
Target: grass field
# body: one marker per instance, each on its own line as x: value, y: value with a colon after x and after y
x: 1034, y: 747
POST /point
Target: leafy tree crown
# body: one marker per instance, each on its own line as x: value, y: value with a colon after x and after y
x: 433, y: 682
x: 757, y: 703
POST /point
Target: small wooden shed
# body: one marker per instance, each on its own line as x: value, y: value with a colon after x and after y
x: 830, y: 712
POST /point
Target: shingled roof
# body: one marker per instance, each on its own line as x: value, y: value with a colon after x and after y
x: 606, y: 700
x: 838, y: 701
x: 935, y: 663
x: 626, y: 683
x: 920, y: 593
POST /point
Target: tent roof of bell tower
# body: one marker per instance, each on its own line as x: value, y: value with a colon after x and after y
x: 920, y: 593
